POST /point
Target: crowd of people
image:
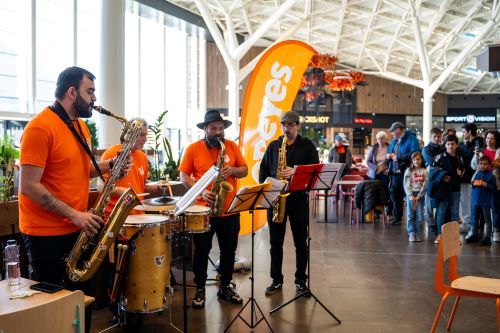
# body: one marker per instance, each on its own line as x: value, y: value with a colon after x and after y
x: 443, y: 181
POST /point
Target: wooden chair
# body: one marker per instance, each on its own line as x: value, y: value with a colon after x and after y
x: 470, y: 286
x: 347, y: 191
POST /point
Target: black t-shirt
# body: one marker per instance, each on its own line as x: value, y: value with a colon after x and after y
x: 301, y: 152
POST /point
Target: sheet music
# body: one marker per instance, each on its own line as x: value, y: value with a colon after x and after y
x: 193, y: 193
x: 246, y: 196
x: 331, y: 172
x: 277, y: 186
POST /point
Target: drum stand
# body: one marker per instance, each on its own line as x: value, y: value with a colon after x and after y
x: 252, y: 301
x: 308, y: 292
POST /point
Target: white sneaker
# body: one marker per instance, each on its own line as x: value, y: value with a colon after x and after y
x: 464, y: 228
x: 417, y: 239
x: 496, y: 236
x: 412, y: 237
x: 436, y: 241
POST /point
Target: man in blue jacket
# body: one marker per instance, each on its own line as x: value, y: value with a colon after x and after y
x: 403, y: 144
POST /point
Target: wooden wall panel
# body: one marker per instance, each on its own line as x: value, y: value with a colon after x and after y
x: 391, y: 97
x: 217, y: 96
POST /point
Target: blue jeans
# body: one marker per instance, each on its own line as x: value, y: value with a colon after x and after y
x: 429, y: 214
x: 487, y: 220
x: 496, y: 211
x: 414, y: 217
x: 452, y: 201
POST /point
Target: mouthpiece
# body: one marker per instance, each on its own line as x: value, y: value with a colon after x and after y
x: 102, y: 110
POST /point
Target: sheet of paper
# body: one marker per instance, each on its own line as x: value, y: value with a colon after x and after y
x: 193, y: 193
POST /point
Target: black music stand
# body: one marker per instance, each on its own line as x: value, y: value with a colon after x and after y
x: 308, y: 177
x: 247, y: 199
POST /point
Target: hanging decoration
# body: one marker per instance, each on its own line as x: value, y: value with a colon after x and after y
x: 321, y: 76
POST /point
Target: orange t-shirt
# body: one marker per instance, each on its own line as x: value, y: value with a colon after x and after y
x: 136, y: 178
x: 48, y: 143
x: 198, y: 158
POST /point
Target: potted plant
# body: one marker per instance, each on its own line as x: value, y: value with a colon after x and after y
x: 8, y: 155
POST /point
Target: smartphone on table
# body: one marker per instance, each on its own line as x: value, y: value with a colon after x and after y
x: 46, y: 287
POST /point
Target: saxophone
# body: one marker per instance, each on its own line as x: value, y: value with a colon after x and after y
x: 89, y: 251
x: 280, y: 202
x: 220, y: 187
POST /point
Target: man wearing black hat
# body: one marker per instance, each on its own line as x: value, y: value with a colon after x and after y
x: 404, y: 144
x: 198, y: 159
x: 299, y: 151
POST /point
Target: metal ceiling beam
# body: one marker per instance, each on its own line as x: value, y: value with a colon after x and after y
x: 430, y: 30
x: 421, y: 51
x: 460, y: 58
x: 474, y: 83
x: 246, y: 45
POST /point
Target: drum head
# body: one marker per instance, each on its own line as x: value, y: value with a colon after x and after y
x: 197, y: 209
x: 145, y: 220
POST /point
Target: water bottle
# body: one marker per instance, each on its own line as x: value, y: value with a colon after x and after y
x: 11, y: 257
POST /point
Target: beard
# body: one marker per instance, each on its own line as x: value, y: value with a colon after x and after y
x: 213, y: 141
x: 83, y: 109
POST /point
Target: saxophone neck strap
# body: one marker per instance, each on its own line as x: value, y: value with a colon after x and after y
x: 61, y: 113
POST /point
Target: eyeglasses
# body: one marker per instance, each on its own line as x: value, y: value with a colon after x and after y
x: 288, y: 124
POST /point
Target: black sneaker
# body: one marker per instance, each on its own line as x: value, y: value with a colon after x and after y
x: 396, y: 222
x: 273, y: 288
x: 199, y: 299
x: 301, y: 287
x: 486, y: 241
x: 228, y: 294
x: 471, y: 238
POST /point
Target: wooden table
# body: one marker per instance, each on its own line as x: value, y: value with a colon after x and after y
x: 40, y: 312
x: 340, y: 182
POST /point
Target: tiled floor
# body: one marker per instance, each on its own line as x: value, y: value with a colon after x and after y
x: 372, y: 279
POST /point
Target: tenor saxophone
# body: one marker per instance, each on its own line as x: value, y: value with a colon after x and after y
x: 279, y: 203
x: 220, y: 187
x: 89, y: 251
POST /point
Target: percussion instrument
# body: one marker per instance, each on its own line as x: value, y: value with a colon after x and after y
x: 197, y: 219
x: 160, y: 204
x: 148, y: 272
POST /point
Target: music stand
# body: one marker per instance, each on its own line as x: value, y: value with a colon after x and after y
x: 306, y: 178
x: 186, y: 200
x: 247, y: 199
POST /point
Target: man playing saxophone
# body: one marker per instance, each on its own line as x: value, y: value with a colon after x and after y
x: 198, y: 158
x: 54, y: 178
x: 298, y: 151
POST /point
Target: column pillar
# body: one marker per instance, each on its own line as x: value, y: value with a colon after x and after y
x: 110, y: 83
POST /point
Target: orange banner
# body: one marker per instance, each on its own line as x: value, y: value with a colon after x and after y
x: 271, y: 91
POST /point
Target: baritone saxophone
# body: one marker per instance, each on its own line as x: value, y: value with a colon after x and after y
x: 89, y: 251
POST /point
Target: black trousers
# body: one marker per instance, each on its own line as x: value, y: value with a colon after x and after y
x: 398, y: 196
x: 227, y: 229
x: 297, y: 210
x: 47, y: 256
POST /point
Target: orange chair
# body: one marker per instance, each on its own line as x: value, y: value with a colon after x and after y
x: 347, y: 191
x: 470, y: 286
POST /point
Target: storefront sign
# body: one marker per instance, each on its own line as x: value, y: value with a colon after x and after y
x: 363, y: 121
x: 470, y: 119
x: 314, y: 119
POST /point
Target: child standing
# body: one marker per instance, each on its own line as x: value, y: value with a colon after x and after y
x: 483, y: 188
x: 453, y: 165
x: 415, y: 184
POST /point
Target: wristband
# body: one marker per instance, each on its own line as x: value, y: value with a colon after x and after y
x: 111, y: 163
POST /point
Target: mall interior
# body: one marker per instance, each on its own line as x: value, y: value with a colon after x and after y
x: 360, y: 76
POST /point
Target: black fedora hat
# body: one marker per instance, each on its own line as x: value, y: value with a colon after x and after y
x: 211, y: 116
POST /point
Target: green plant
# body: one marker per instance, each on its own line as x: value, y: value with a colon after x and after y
x: 156, y: 138
x: 8, y: 155
x: 93, y: 133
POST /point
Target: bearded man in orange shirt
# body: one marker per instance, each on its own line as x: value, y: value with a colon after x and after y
x: 54, y: 178
x: 198, y: 159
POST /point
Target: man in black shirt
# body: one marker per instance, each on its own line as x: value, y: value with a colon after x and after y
x: 299, y: 151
